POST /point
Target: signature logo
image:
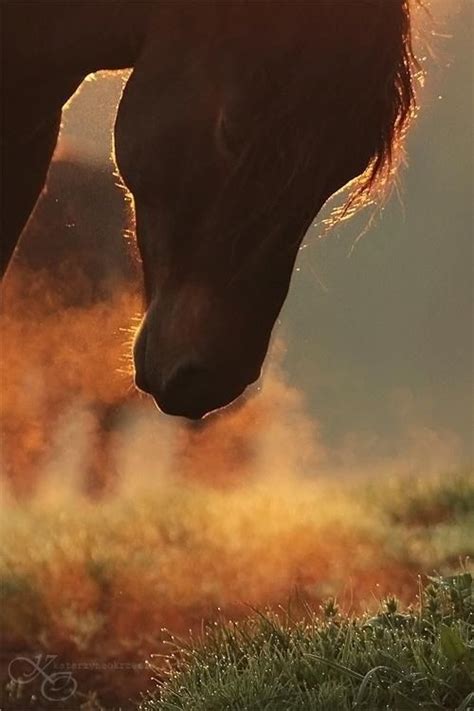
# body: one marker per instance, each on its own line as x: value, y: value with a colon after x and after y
x: 56, y: 685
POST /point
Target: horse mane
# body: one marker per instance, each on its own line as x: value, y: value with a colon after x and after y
x: 399, y: 108
x: 342, y: 84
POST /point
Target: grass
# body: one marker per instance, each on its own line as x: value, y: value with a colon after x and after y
x: 98, y: 580
x: 420, y: 658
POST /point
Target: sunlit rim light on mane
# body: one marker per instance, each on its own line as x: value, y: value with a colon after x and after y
x: 400, y: 109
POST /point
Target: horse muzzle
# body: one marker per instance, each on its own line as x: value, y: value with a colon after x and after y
x: 190, y: 387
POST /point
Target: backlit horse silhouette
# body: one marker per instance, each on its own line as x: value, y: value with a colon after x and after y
x: 239, y: 120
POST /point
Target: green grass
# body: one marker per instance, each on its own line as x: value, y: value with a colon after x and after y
x: 99, y: 580
x: 425, y: 501
x: 422, y: 657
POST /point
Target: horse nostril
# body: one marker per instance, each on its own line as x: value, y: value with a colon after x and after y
x: 187, y: 377
x: 193, y: 390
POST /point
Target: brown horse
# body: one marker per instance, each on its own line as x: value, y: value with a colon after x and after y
x: 240, y: 119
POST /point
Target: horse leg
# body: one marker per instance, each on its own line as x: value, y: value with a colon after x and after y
x: 101, y: 476
x: 25, y: 166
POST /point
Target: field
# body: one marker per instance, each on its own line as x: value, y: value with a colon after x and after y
x: 121, y: 528
x: 96, y: 581
x: 422, y: 657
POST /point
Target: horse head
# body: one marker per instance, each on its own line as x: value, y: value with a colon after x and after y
x: 238, y: 122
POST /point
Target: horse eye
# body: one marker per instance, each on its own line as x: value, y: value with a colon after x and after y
x: 227, y: 137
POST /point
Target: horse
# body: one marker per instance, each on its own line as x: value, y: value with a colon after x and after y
x: 239, y: 120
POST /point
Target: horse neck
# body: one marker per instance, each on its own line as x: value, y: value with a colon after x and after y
x: 72, y: 38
